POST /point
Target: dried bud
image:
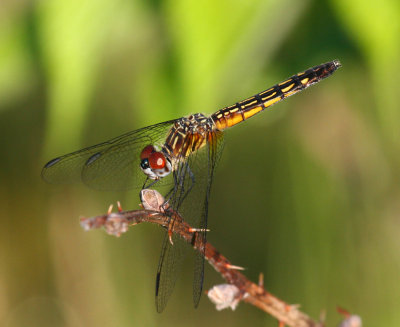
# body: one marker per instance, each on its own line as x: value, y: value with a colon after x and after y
x: 86, y: 224
x: 152, y: 200
x: 116, y: 225
x: 224, y: 296
x: 92, y: 223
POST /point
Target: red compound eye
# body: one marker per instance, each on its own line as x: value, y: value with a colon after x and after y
x: 146, y: 152
x: 157, y: 160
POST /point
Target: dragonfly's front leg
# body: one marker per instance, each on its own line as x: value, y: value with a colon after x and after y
x: 178, y: 194
x: 152, y: 183
x: 193, y: 181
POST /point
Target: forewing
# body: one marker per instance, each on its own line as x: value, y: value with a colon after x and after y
x: 111, y: 165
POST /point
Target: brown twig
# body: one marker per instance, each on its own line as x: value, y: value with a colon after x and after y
x: 244, y: 290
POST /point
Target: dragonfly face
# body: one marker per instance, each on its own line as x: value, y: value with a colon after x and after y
x: 154, y: 163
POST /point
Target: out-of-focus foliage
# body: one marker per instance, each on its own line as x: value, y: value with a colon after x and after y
x: 307, y: 192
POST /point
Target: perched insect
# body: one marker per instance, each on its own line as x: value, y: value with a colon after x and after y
x: 183, y: 151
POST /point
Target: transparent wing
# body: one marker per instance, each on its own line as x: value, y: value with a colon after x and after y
x: 111, y: 165
x: 169, y: 266
x: 190, y: 198
x: 213, y: 152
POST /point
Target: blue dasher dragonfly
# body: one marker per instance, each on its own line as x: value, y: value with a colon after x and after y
x: 181, y: 152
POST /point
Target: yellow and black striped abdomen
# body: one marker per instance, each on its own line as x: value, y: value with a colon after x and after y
x: 245, y: 109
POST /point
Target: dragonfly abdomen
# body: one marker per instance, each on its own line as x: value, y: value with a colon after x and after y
x: 232, y: 115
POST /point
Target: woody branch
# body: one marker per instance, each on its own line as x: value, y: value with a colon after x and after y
x: 116, y: 223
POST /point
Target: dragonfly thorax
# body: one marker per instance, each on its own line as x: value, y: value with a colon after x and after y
x: 154, y: 163
x: 187, y: 135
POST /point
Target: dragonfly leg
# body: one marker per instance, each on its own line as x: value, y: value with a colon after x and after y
x: 145, y: 182
x: 193, y: 179
x: 177, y: 195
x: 171, y: 193
x: 192, y: 182
x: 151, y: 184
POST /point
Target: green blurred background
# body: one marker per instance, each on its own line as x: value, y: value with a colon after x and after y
x: 307, y: 192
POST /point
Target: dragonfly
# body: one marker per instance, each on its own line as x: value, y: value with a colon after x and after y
x: 181, y: 155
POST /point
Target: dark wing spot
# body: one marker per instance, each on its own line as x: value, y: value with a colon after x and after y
x: 52, y: 162
x: 93, y: 158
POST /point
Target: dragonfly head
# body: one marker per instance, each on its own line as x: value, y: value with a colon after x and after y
x: 154, y: 163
